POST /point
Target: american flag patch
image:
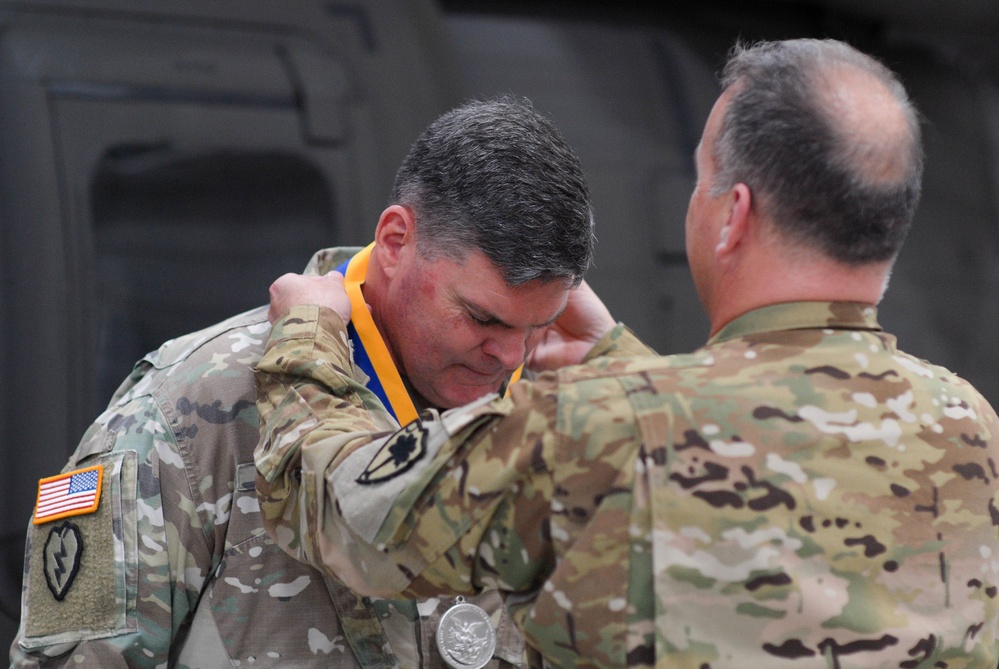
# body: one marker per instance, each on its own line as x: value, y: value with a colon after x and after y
x: 70, y: 494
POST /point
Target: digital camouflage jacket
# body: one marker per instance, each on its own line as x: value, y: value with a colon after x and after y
x: 797, y: 493
x: 173, y: 568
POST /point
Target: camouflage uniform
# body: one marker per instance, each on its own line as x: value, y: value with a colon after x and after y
x: 797, y: 493
x: 176, y: 569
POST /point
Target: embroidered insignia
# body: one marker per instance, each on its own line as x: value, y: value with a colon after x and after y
x: 397, y: 455
x: 71, y: 494
x: 61, y: 558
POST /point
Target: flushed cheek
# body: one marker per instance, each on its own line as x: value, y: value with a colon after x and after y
x: 462, y: 340
x: 450, y: 351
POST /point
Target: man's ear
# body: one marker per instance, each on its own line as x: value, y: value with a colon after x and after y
x: 395, y: 235
x: 736, y: 226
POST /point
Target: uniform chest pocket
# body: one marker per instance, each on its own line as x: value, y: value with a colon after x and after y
x: 258, y: 586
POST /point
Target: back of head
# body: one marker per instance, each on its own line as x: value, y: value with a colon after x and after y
x: 829, y: 143
x: 497, y: 176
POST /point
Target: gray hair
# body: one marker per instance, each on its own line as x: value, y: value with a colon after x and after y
x: 825, y: 173
x: 496, y: 176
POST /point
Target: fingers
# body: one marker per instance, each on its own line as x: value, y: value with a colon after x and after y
x: 290, y: 290
x: 585, y: 316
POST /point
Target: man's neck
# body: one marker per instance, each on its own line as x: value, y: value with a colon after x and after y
x: 772, y: 280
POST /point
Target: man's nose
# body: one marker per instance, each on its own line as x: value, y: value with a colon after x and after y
x: 510, y: 348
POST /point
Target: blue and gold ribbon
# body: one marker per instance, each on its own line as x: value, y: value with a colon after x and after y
x: 370, y: 352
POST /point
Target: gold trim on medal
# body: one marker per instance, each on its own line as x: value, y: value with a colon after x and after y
x: 465, y: 636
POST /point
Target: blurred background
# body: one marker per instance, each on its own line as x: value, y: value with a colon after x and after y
x: 162, y: 162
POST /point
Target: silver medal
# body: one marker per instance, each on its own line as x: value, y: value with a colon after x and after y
x: 465, y: 636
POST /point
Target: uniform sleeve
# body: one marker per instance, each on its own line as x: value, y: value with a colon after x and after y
x: 620, y: 342
x: 393, y: 513
x: 113, y: 587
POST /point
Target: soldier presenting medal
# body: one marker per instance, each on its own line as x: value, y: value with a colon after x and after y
x: 149, y: 549
x: 797, y: 493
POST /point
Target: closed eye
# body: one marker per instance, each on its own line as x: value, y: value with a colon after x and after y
x: 483, y: 321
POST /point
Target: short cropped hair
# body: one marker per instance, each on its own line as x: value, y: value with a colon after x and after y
x: 827, y: 179
x: 497, y: 176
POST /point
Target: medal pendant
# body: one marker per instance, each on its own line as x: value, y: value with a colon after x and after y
x: 465, y: 636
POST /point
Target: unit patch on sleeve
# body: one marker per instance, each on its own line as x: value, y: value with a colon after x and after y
x: 61, y: 558
x: 397, y: 455
x: 71, y: 494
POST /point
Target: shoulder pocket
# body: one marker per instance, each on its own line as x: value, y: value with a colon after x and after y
x: 81, y: 569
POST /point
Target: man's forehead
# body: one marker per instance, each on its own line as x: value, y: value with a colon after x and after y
x: 716, y: 118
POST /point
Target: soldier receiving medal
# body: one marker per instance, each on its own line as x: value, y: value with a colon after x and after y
x: 149, y: 550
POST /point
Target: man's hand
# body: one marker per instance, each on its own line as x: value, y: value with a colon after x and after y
x: 567, y: 340
x: 294, y: 289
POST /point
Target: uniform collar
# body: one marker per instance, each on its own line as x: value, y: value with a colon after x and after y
x: 800, y: 316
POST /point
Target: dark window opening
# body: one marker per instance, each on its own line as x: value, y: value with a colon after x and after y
x: 182, y: 242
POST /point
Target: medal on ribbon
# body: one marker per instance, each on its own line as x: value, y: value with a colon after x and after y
x: 465, y: 636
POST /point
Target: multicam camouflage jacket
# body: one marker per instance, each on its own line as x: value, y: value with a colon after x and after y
x: 173, y: 568
x: 797, y: 493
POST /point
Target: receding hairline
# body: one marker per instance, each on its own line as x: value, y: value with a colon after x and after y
x: 875, y: 137
x: 830, y: 142
x: 859, y: 99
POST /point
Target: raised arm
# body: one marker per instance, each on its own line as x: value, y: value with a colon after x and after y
x: 364, y: 501
x: 339, y: 493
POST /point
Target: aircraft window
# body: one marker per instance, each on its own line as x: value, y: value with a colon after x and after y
x: 181, y: 242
